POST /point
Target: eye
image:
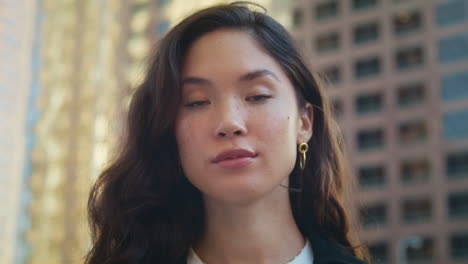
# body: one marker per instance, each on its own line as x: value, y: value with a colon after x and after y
x: 257, y: 98
x: 196, y: 104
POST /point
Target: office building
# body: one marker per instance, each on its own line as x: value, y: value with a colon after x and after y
x: 397, y: 74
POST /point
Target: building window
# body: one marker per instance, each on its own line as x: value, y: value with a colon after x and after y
x: 457, y: 164
x: 379, y: 252
x: 407, y: 22
x: 454, y: 86
x: 415, y: 171
x: 366, y: 68
x: 163, y: 3
x: 337, y: 107
x: 370, y: 139
x: 412, y: 131
x: 327, y: 42
x: 456, y: 124
x: 137, y: 46
x: 362, y: 4
x: 297, y: 17
x: 417, y: 248
x: 163, y: 25
x: 365, y: 33
x: 416, y: 210
x: 371, y: 176
x: 411, y: 94
x: 332, y: 74
x: 326, y: 10
x: 409, y: 58
x: 451, y: 12
x: 139, y: 21
x: 458, y: 205
x: 369, y: 103
x: 138, y: 7
x: 459, y: 246
x: 373, y: 215
x: 453, y: 48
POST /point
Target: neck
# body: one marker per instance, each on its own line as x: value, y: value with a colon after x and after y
x: 263, y: 231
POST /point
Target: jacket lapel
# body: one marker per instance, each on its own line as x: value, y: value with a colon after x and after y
x: 328, y: 252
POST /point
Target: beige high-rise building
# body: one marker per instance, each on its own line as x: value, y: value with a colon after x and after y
x: 83, y: 80
x: 16, y: 38
x: 398, y: 79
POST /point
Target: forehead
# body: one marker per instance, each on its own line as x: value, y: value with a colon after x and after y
x: 228, y: 52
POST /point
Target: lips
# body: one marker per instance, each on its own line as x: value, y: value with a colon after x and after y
x: 234, y: 158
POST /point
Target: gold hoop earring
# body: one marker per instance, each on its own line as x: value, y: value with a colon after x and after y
x: 303, y: 148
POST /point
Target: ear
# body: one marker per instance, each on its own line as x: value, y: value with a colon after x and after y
x: 305, y: 126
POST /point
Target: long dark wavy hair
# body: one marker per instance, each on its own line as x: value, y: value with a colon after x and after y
x: 142, y: 208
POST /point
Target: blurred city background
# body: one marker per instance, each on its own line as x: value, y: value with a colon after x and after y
x: 396, y: 73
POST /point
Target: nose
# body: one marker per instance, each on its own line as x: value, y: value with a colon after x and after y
x: 231, y: 121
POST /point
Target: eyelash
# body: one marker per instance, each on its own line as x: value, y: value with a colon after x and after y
x: 196, y: 104
x: 256, y: 98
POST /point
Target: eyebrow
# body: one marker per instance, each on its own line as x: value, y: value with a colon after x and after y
x: 256, y: 74
x: 246, y: 77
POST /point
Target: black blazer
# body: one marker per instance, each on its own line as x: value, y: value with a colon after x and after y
x: 328, y: 252
x: 325, y: 252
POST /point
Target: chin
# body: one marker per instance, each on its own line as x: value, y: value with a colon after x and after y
x: 242, y: 193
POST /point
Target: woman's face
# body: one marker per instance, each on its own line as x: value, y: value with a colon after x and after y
x: 239, y: 124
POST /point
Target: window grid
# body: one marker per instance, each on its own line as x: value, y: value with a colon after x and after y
x: 370, y: 139
x: 369, y: 103
x: 373, y: 215
x: 407, y: 22
x: 411, y: 94
x: 457, y: 164
x: 458, y: 205
x: 367, y: 68
x: 416, y: 210
x: 415, y: 171
x: 326, y: 10
x: 459, y: 246
x: 409, y: 58
x: 366, y: 33
x: 371, y: 176
x: 328, y: 42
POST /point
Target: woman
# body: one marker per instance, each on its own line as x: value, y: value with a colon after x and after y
x: 216, y: 166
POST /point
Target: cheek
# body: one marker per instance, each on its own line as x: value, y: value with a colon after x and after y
x: 277, y: 126
x: 187, y: 136
x: 278, y: 144
x: 278, y: 137
x: 182, y: 126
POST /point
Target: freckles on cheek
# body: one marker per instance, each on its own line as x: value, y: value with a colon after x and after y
x: 192, y: 133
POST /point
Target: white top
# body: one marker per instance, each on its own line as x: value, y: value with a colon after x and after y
x: 304, y: 257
